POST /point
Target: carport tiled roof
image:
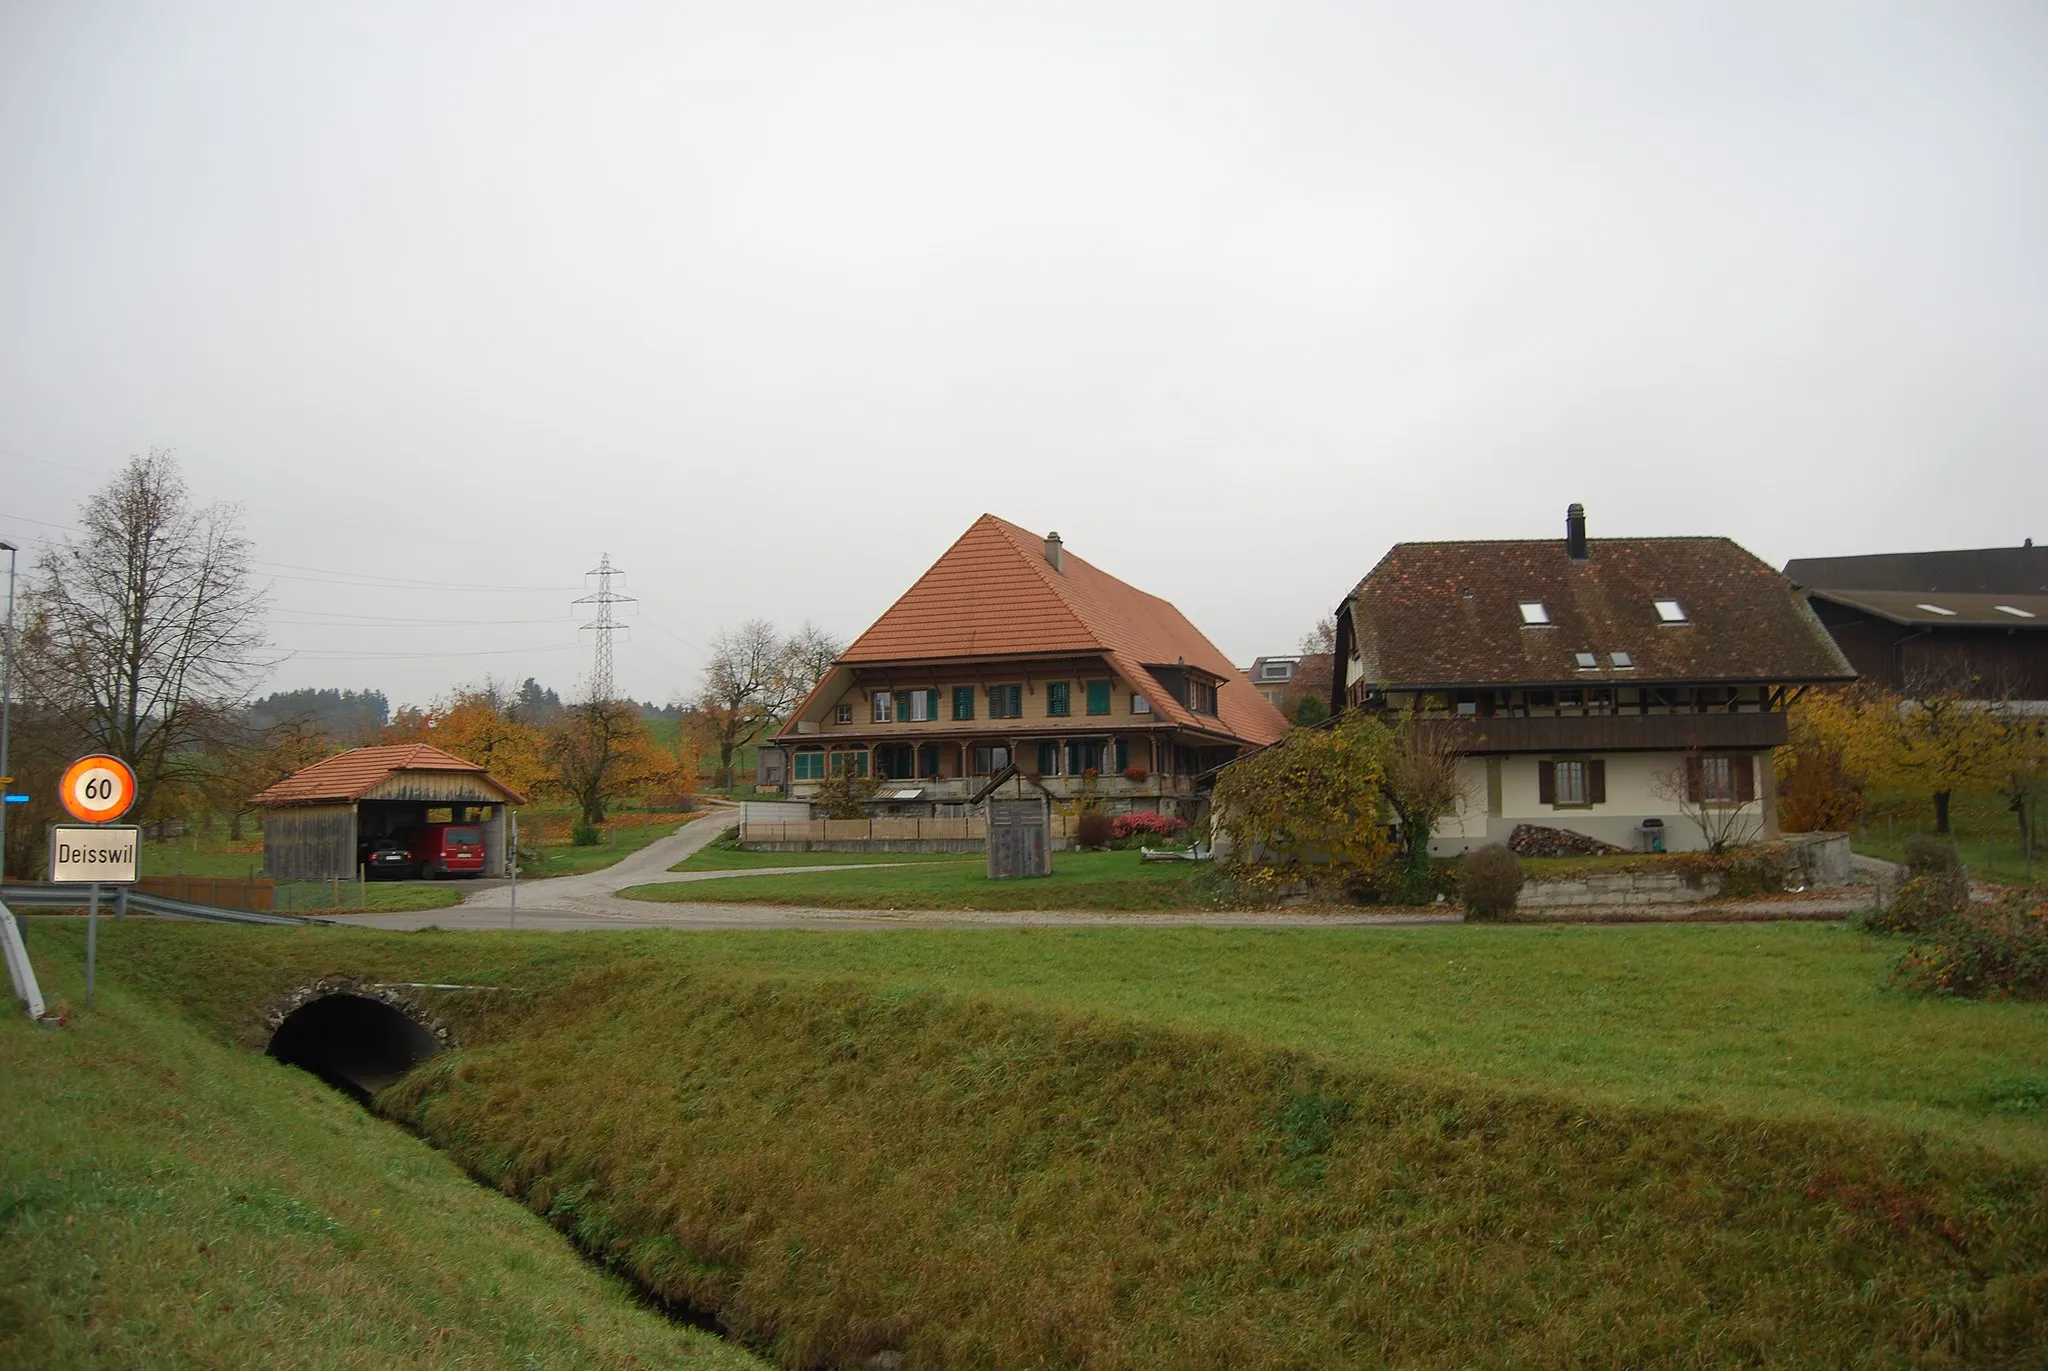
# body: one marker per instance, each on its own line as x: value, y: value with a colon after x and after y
x: 352, y: 774
x: 994, y: 594
x: 1449, y: 614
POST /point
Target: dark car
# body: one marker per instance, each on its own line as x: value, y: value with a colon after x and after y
x: 386, y: 857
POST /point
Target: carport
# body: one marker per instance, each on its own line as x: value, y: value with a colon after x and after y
x: 314, y: 820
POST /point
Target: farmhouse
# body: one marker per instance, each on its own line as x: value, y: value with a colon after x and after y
x: 1974, y: 619
x: 1010, y: 648
x: 315, y: 819
x: 1628, y: 690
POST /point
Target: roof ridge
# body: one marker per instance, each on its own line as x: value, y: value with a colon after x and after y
x: 1053, y: 580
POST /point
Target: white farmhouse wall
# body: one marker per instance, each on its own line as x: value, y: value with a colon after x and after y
x: 1633, y: 782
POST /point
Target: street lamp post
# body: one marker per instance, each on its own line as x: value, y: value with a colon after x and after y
x: 6, y: 703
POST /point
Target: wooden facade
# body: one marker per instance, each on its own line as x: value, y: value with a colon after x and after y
x: 310, y: 842
x: 316, y: 820
x: 1993, y: 661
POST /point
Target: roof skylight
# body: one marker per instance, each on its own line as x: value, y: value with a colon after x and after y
x: 1587, y: 661
x: 1534, y: 613
x: 1670, y: 611
x: 2016, y: 613
x: 1621, y: 660
x: 1936, y: 609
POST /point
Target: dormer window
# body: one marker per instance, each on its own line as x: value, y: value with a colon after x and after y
x: 1587, y: 661
x: 1670, y: 612
x: 1534, y: 614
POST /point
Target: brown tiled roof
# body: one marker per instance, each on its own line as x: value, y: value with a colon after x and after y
x: 352, y: 774
x: 1447, y: 614
x: 993, y: 594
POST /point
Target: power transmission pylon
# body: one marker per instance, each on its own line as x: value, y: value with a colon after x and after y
x: 603, y: 625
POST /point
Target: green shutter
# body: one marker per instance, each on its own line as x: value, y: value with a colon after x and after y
x: 963, y: 702
x: 1098, y: 697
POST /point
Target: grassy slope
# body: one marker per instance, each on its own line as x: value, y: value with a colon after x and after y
x: 1079, y: 880
x: 735, y: 859
x: 1498, y: 1146
x: 621, y: 839
x: 168, y: 1202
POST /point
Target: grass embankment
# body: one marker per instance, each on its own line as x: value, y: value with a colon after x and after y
x: 1986, y: 835
x: 1079, y: 881
x: 717, y: 858
x: 166, y: 1201
x: 1447, y: 1146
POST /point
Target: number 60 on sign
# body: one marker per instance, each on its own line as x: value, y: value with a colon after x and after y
x: 97, y: 789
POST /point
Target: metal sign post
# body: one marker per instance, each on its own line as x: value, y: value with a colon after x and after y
x: 512, y: 919
x: 97, y: 789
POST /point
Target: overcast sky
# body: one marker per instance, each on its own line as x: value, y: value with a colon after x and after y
x: 769, y: 301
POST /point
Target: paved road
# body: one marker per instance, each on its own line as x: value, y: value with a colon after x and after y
x: 591, y: 902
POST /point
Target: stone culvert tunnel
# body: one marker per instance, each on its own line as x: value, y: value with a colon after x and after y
x: 358, y: 1037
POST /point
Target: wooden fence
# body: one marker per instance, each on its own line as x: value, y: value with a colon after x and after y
x: 255, y: 893
x: 880, y: 830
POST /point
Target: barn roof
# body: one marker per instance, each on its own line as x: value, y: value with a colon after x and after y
x: 352, y: 774
x: 994, y: 594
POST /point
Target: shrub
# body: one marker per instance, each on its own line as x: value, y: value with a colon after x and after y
x: 1993, y: 951
x: 583, y: 835
x: 1147, y: 825
x: 1490, y: 881
x: 1927, y: 855
x: 1092, y: 829
x: 1935, y: 890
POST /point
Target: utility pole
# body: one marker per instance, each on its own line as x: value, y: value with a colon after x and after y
x: 6, y: 705
x: 603, y: 625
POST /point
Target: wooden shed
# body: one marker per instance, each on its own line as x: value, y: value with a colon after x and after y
x: 315, y: 820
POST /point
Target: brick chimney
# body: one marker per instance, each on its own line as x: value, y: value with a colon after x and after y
x: 1575, y: 533
x: 1052, y: 552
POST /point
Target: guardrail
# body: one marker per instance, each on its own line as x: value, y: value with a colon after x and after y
x: 162, y: 907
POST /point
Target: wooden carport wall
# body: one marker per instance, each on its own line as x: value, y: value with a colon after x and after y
x: 438, y: 788
x: 318, y: 841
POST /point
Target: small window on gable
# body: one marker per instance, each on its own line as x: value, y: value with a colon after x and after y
x: 1534, y: 613
x: 1587, y: 661
x: 1140, y: 705
x: 1621, y: 660
x: 1670, y: 611
x: 884, y: 707
x: 845, y: 714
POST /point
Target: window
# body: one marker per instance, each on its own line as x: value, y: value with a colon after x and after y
x: 1622, y: 661
x: 1048, y: 759
x: 963, y: 702
x: 1569, y: 698
x: 2016, y: 613
x: 1123, y: 755
x: 845, y: 715
x: 855, y: 762
x: 810, y: 766
x: 1098, y: 697
x: 1057, y: 703
x: 1276, y: 671
x: 1140, y: 705
x: 1006, y: 702
x: 1717, y: 780
x: 1571, y: 783
x: 1587, y: 661
x: 1084, y: 757
x: 896, y: 762
x: 1201, y: 696
x: 987, y: 761
x: 1534, y: 614
x: 1670, y: 611
x: 917, y: 706
x: 884, y: 707
x: 1937, y: 609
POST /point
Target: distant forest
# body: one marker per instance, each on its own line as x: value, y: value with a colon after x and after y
x: 356, y: 716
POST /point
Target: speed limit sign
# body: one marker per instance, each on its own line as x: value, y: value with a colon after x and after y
x: 97, y: 789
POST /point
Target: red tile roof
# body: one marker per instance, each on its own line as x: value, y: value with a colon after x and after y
x: 1447, y: 614
x: 993, y: 594
x: 352, y: 774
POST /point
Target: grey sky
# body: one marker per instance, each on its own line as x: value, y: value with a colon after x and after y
x: 769, y: 301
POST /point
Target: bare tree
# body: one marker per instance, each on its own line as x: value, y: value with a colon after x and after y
x: 755, y: 677
x: 146, y: 627
x: 1420, y: 780
x: 1711, y: 792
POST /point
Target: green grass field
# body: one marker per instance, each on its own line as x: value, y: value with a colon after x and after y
x: 735, y: 859
x: 167, y: 1201
x: 561, y: 857
x: 1986, y: 835
x: 1449, y: 1146
x: 1079, y: 881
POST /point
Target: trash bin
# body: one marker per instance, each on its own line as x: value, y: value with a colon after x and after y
x: 1652, y: 831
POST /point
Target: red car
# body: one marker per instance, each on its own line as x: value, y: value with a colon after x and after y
x: 446, y: 850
